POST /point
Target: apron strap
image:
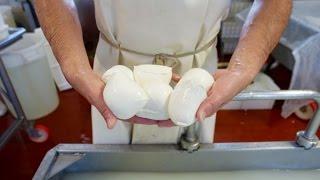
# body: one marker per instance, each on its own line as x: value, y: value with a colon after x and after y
x: 170, y: 60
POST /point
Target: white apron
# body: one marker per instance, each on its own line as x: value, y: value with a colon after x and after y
x: 155, y: 27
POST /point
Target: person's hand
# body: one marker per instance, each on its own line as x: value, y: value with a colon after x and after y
x: 92, y: 89
x: 227, y: 84
x: 160, y: 123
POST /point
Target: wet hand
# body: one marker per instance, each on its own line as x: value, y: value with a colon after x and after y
x: 227, y: 85
x: 96, y: 99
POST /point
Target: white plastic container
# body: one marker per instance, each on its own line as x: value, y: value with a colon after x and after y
x: 262, y: 82
x: 56, y: 71
x: 4, y: 32
x: 4, y: 29
x: 233, y: 105
x: 28, y: 69
x: 7, y: 15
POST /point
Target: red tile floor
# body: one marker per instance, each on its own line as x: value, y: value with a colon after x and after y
x: 71, y: 123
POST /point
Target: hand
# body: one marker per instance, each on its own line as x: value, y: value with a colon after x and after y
x: 92, y: 88
x: 161, y: 123
x: 227, y: 84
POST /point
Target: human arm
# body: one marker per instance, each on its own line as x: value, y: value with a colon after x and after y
x: 60, y: 24
x: 260, y: 34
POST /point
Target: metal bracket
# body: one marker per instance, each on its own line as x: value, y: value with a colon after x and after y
x: 306, y: 142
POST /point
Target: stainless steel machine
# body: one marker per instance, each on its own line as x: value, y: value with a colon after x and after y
x: 304, y: 153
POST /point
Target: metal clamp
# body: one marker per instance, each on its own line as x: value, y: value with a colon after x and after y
x: 306, y: 142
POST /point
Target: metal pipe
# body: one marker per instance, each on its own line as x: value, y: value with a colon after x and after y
x: 189, y: 140
x: 5, y: 136
x: 278, y: 95
x: 287, y: 95
x: 9, y: 91
x: 314, y: 124
x: 191, y: 133
x: 13, y: 98
x: 306, y: 139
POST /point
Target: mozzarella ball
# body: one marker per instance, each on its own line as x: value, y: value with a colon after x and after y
x: 198, y: 76
x: 184, y: 103
x: 124, y: 96
x: 157, y: 106
x: 117, y: 69
x: 152, y: 73
x: 187, y: 96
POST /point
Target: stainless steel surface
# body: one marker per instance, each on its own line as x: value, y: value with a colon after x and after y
x: 167, y: 158
x: 210, y: 157
x: 14, y: 35
x: 306, y: 142
x: 9, y: 91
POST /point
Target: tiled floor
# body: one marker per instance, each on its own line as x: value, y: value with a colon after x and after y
x: 71, y: 123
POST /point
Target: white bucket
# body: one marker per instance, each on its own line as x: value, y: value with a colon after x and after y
x: 262, y: 82
x: 4, y: 28
x: 28, y: 69
x: 4, y: 31
x: 7, y: 15
x: 56, y: 71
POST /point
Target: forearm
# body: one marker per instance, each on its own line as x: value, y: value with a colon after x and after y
x: 60, y: 23
x: 261, y: 33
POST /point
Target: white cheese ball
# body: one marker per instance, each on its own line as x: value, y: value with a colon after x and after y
x: 124, y: 96
x: 187, y: 96
x: 198, y: 76
x: 149, y: 73
x: 157, y: 106
x: 117, y: 69
x: 184, y: 103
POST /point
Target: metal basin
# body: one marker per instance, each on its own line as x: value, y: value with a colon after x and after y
x: 75, y: 158
x: 66, y: 159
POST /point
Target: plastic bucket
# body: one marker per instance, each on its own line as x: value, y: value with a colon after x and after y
x: 4, y: 28
x: 7, y: 15
x: 56, y: 71
x: 29, y: 72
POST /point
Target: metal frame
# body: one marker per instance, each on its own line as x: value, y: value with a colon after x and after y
x: 8, y: 91
x: 306, y: 139
x: 304, y: 153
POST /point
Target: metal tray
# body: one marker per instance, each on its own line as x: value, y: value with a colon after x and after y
x: 304, y: 153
